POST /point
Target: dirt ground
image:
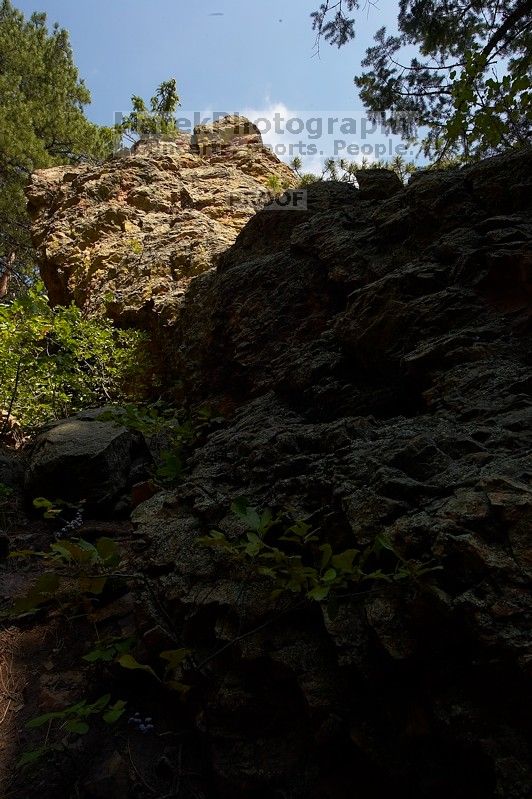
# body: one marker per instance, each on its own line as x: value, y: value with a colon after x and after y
x: 42, y: 670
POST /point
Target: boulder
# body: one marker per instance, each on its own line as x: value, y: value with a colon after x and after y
x: 378, y: 184
x: 85, y: 459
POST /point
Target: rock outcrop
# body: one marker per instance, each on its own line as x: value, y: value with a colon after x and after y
x: 370, y: 357
x: 126, y: 238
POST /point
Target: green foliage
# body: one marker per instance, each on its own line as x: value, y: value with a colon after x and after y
x: 107, y: 651
x: 42, y: 122
x: 173, y: 659
x: 54, y: 362
x: 118, y: 650
x: 307, y: 179
x: 73, y: 720
x: 485, y: 117
x: 297, y: 562
x: 5, y: 493
x: 172, y: 432
x: 159, y: 119
x: 80, y: 572
x: 340, y: 29
x: 158, y: 423
x: 469, y: 89
x: 51, y: 510
x: 345, y: 171
x: 275, y: 185
x: 129, y: 662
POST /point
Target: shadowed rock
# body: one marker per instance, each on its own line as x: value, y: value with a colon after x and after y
x: 370, y: 356
x: 82, y: 459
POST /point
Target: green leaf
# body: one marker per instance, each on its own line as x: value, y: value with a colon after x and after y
x: 253, y: 519
x: 179, y: 687
x: 344, y: 560
x: 108, y: 551
x: 62, y: 551
x: 216, y: 535
x: 266, y: 520
x: 73, y: 710
x: 79, y: 727
x: 319, y: 592
x: 381, y: 542
x: 39, y: 721
x: 329, y: 576
x: 174, y: 657
x: 45, y: 586
x: 42, y: 503
x: 326, y: 550
x: 267, y: 572
x: 253, y: 549
x: 31, y: 757
x: 117, y: 710
x: 97, y: 706
x: 378, y: 575
x: 300, y: 529
x: 100, y: 654
x: 171, y: 467
x: 129, y: 662
x: 239, y: 506
x: 124, y: 645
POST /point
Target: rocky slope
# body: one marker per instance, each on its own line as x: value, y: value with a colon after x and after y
x: 127, y: 237
x: 370, y: 359
x: 371, y: 356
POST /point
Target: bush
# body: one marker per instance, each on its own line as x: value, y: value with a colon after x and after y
x: 55, y: 362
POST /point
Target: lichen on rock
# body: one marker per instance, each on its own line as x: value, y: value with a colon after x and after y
x: 126, y: 238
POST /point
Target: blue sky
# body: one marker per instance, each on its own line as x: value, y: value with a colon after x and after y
x: 256, y: 58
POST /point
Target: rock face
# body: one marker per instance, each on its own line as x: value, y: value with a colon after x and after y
x: 126, y: 238
x: 84, y: 459
x: 370, y: 358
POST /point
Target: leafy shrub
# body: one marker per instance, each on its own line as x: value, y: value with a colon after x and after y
x: 301, y: 563
x: 54, y: 361
x: 171, y: 432
x: 73, y: 720
x: 78, y: 570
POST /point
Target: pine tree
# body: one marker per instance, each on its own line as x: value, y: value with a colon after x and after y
x: 159, y: 119
x: 470, y: 88
x: 42, y: 123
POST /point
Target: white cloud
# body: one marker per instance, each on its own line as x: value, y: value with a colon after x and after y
x: 313, y: 136
x: 318, y: 136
